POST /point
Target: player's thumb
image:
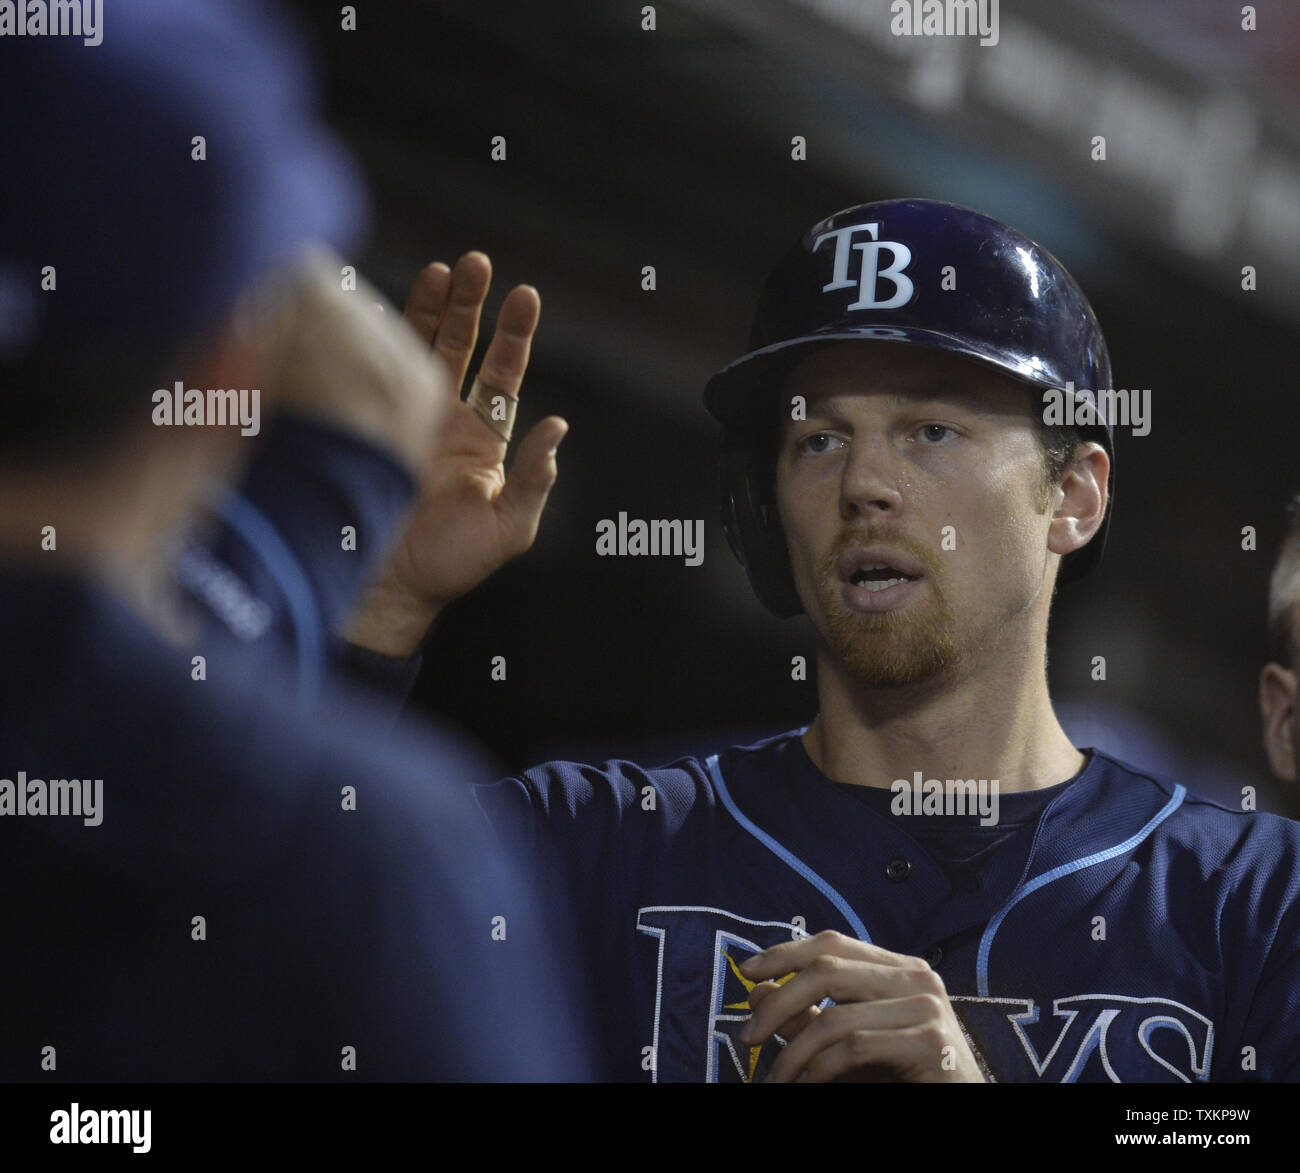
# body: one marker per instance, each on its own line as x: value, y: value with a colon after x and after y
x: 531, y: 476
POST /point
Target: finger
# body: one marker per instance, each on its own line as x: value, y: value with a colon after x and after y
x: 458, y: 331
x: 792, y: 1026
x: 866, y: 1057
x: 529, y: 481
x: 507, y: 354
x: 828, y: 976
x: 798, y: 954
x: 838, y: 1024
x: 427, y: 301
x: 914, y: 1054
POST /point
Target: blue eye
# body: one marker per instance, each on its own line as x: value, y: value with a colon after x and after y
x: 819, y: 442
x: 936, y: 433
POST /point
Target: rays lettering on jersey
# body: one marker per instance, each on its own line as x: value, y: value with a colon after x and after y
x: 1091, y: 1036
x: 869, y: 270
x: 701, y: 998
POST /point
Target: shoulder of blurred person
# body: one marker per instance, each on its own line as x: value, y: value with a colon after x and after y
x: 246, y: 893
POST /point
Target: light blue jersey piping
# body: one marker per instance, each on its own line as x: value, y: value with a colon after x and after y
x: 1065, y: 869
x: 786, y: 856
x: 986, y: 942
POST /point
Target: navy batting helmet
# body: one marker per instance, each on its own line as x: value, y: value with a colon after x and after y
x: 910, y: 271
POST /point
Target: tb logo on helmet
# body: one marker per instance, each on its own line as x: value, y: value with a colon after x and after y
x: 870, y: 269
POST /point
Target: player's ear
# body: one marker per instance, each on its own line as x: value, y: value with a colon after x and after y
x: 1079, y: 500
x: 1277, y: 705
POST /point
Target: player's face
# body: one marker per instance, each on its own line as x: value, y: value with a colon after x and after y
x: 915, y: 508
x: 1280, y: 709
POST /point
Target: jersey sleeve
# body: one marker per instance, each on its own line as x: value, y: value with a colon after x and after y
x: 584, y: 834
x: 387, y: 679
x: 1260, y: 926
x: 287, y: 554
x: 567, y: 822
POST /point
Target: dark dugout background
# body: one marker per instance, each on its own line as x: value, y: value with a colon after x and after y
x: 672, y: 148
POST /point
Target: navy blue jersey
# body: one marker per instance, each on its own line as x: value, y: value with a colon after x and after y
x: 203, y: 885
x: 274, y: 575
x: 1124, y: 931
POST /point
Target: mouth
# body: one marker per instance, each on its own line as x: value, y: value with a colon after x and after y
x: 877, y: 579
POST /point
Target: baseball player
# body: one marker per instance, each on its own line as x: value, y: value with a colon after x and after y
x: 1277, y: 679
x: 910, y: 459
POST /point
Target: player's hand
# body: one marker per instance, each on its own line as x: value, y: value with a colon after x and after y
x: 472, y: 516
x: 891, y: 1019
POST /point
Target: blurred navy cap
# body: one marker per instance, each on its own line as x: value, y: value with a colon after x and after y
x: 149, y: 245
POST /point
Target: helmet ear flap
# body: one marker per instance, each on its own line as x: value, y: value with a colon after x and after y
x: 753, y: 530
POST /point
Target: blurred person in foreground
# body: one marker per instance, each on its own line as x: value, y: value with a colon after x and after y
x: 220, y: 869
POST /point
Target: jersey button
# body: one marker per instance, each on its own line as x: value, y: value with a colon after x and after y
x: 933, y: 955
x: 897, y: 869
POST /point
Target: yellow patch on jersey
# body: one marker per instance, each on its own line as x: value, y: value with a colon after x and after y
x: 754, y: 1052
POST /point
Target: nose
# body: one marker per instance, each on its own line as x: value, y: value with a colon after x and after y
x: 870, y: 487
